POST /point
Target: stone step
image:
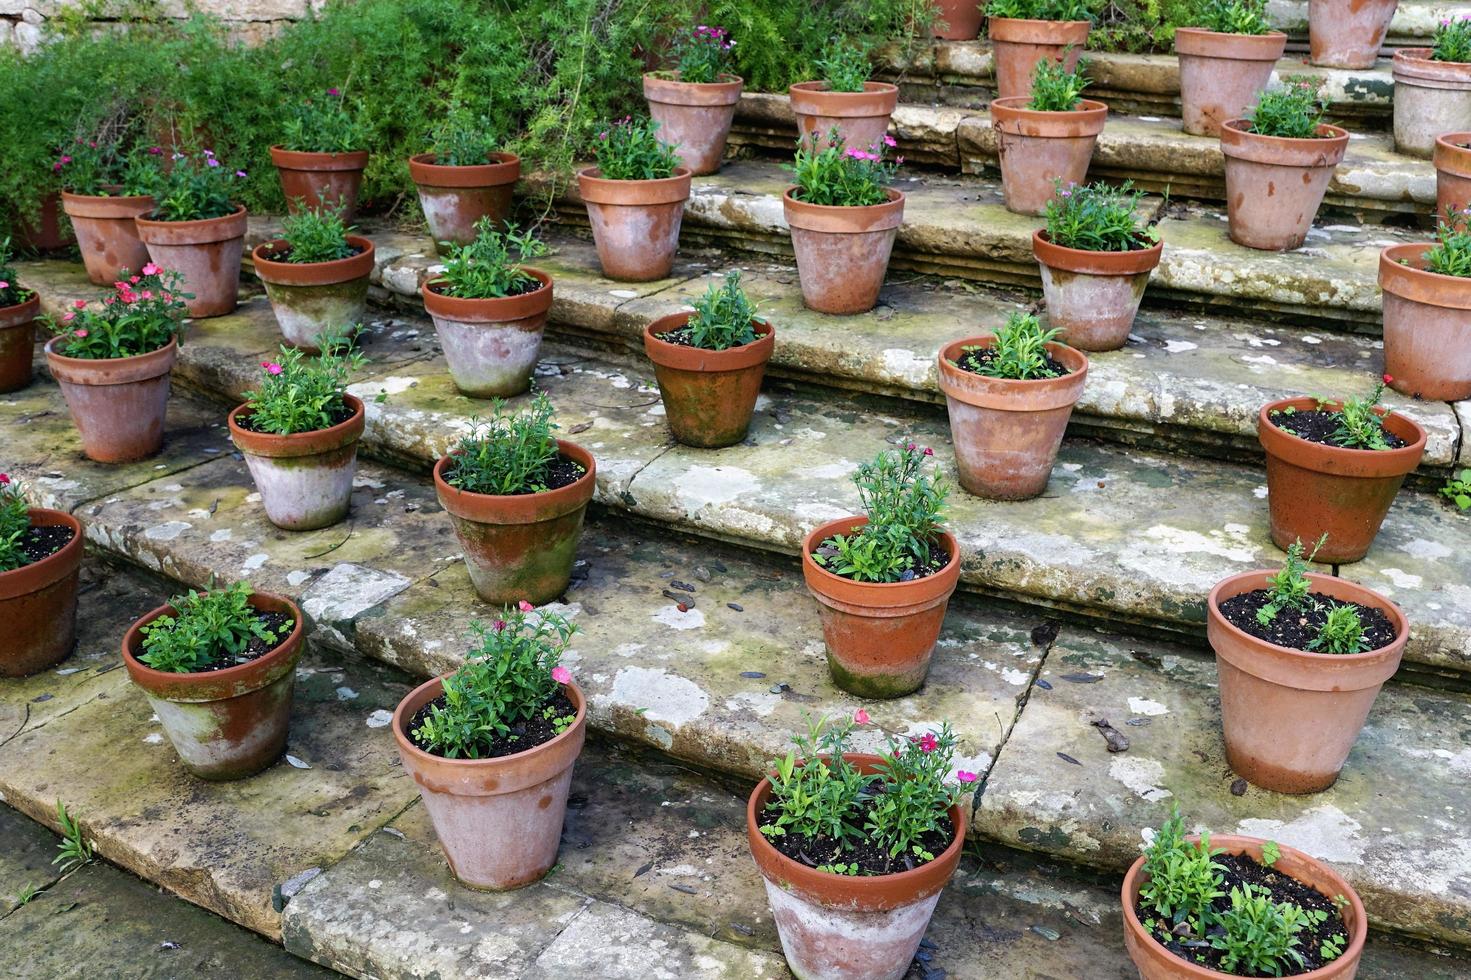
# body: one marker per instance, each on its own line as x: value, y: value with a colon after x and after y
x: 1373, y: 182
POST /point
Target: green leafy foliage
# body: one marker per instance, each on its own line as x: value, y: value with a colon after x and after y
x: 1261, y: 936
x: 460, y: 138
x: 486, y: 268
x: 1097, y: 218
x: 1341, y: 633
x: 1143, y: 26
x: 144, y: 311
x: 322, y: 124
x: 198, y: 186
x: 74, y: 850
x: 1451, y: 253
x: 702, y: 54
x: 845, y: 67
x: 1293, y: 110
x: 11, y: 291
x: 1234, y: 17
x: 15, y: 522
x: 1061, y: 10
x: 1290, y: 585
x: 1055, y: 87
x: 507, y: 679
x: 206, y: 629
x: 1458, y: 489
x: 301, y: 393
x: 814, y: 790
x: 506, y: 453
x: 1183, y: 880
x: 1020, y: 348
x: 630, y: 149
x: 1452, y: 41
x: 100, y: 168
x: 1360, y: 424
x: 846, y: 177
x: 722, y: 317
x: 903, y: 507
x: 315, y: 235
x: 915, y: 791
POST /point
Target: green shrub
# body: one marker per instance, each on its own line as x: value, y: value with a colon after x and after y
x: 315, y: 235
x: 487, y: 268
x: 1143, y: 26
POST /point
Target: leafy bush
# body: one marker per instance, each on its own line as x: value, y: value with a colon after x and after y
x: 15, y: 522
x: 506, y: 454
x: 702, y: 54
x: 100, y: 169
x: 722, y: 317
x: 143, y: 313
x: 1452, y: 41
x: 462, y: 139
x: 839, y: 176
x: 1451, y: 253
x: 323, y: 124
x: 1042, y: 9
x: 315, y: 235
x: 196, y: 188
x: 11, y: 291
x: 484, y: 269
x: 1097, y: 218
x: 845, y: 67
x: 1143, y: 26
x: 1293, y: 110
x: 207, y: 628
x: 298, y: 393
x: 631, y: 149
x: 903, y: 508
x: 1055, y: 87
x: 1234, y: 17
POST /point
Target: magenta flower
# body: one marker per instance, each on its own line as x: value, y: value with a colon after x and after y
x: 4, y: 479
x: 890, y: 141
x: 561, y: 675
x: 80, y: 304
x: 860, y: 717
x: 965, y: 777
x: 272, y: 368
x: 156, y: 151
x: 79, y: 333
x: 928, y: 743
x: 240, y: 173
x: 333, y: 92
x: 4, y: 284
x: 499, y: 625
x: 212, y: 162
x: 152, y: 270
x: 68, y: 317
x: 928, y: 451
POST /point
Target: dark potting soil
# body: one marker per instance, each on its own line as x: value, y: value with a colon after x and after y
x: 1240, y: 870
x: 974, y: 360
x: 1316, y: 426
x: 1296, y: 628
x: 337, y: 416
x: 275, y: 622
x: 817, y: 852
x: 527, y: 735
x: 937, y: 560
x: 43, y: 542
x: 284, y: 255
x: 681, y: 337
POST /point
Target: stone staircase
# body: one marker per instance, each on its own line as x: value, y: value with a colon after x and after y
x: 1085, y: 603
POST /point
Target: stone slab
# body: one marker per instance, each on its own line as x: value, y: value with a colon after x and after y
x: 25, y: 861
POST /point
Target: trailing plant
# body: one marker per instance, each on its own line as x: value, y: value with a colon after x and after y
x: 1018, y: 350
x: 73, y: 850
x: 15, y: 524
x: 722, y: 317
x: 315, y: 235
x: 506, y: 453
x: 1451, y: 253
x: 1458, y: 489
x: 324, y: 124
x: 485, y: 268
x: 1234, y: 17
x: 101, y: 169
x: 11, y: 291
x: 630, y: 149
x: 143, y: 313
x: 903, y: 506
x: 1055, y: 87
x: 1289, y: 585
x: 1341, y: 632
x: 839, y: 176
x: 845, y: 67
x: 196, y: 188
x: 702, y: 54
x: 1061, y: 10
x: 298, y: 393
x: 1293, y: 110
x: 1452, y: 41
x: 206, y: 629
x: 507, y: 679
x: 462, y: 139
x: 1098, y: 218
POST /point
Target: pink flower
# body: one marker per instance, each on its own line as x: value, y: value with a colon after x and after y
x: 65, y: 158
x: 524, y: 606
x: 890, y: 141
x: 4, y: 284
x: 4, y: 479
x: 79, y: 333
x: 928, y: 743
x: 333, y: 92
x: 965, y: 777
x: 860, y: 717
x: 68, y: 318
x: 212, y: 162
x: 561, y: 675
x: 133, y: 280
x: 146, y: 294
x: 80, y: 304
x: 928, y: 451
x: 156, y: 151
x: 152, y: 270
x: 240, y: 173
x: 273, y: 368
x: 1388, y: 378
x: 499, y: 625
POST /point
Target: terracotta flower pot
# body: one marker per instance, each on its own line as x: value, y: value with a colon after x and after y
x: 107, y: 234
x: 47, y: 232
x: 1017, y: 45
x: 454, y: 198
x: 38, y: 603
x: 1347, y: 33
x: 305, y: 479
x: 491, y: 345
x: 225, y: 724
x: 842, y: 253
x: 1039, y: 148
x: 117, y: 405
x: 694, y: 117
x: 18, y: 343
x: 1315, y: 489
x: 1430, y: 98
x: 313, y: 179
x: 841, y: 927
x: 1452, y: 158
x: 708, y: 395
x: 498, y: 820
x: 1222, y: 74
x: 206, y: 253
x: 1427, y: 327
x: 1274, y: 184
x: 958, y: 20
x: 1093, y: 297
x: 1290, y: 717
x: 879, y: 635
x: 861, y: 118
x: 315, y: 298
x: 522, y: 546
x: 635, y: 223
x: 1157, y: 963
x: 1007, y: 433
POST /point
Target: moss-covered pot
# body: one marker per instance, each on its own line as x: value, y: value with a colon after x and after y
x: 311, y: 299
x: 38, y: 603
x: 708, y: 395
x: 1093, y: 297
x: 1430, y: 98
x: 304, y: 479
x: 842, y: 252
x: 18, y: 343
x: 635, y: 223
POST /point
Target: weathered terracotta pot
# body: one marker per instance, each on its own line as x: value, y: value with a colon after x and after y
x: 861, y: 118
x: 18, y: 343
x: 47, y: 232
x: 1290, y: 717
x: 958, y: 20
x: 1017, y: 45
x: 491, y: 345
x: 206, y: 253
x: 694, y: 117
x: 1430, y: 98
x: 1427, y: 326
x: 1222, y: 74
x: 1274, y: 184
x: 635, y: 223
x: 107, y: 234
x: 1452, y: 158
x: 454, y: 198
x: 879, y: 635
x: 499, y: 820
x: 1007, y: 433
x: 1347, y: 33
x: 118, y: 405
x: 38, y: 603
x: 311, y: 299
x: 225, y: 724
x: 842, y: 253
x: 1157, y: 963
x: 305, y: 479
x: 1039, y: 148
x: 1315, y: 489
x: 311, y: 180
x: 522, y: 546
x: 1093, y: 297
x: 840, y: 927
x: 708, y: 395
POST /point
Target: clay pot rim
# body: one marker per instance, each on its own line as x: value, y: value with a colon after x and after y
x: 944, y: 579
x: 1239, y: 131
x: 121, y: 200
x: 329, y: 273
x: 1059, y: 352
x: 19, y: 581
x: 818, y: 87
x: 1238, y: 844
x: 494, y: 309
x: 1452, y: 153
x: 318, y: 160
x: 1231, y: 47
x: 1134, y: 261
x: 16, y: 308
x: 82, y: 363
x: 579, y: 489
x: 1405, y: 279
x: 660, y: 190
x: 1242, y: 582
x: 500, y: 168
x: 840, y: 213
x: 679, y: 357
x: 1089, y: 109
x: 407, y: 746
x: 152, y: 680
x: 669, y: 76
x: 1403, y: 460
x: 1033, y: 30
x: 331, y: 437
x: 239, y: 214
x: 1417, y: 63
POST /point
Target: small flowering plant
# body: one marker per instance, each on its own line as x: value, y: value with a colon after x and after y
x: 508, y: 695
x: 298, y: 393
x: 507, y: 454
x: 702, y: 54
x: 462, y: 139
x: 11, y: 292
x: 15, y: 525
x: 1452, y: 41
x: 1098, y: 218
x: 630, y: 149
x: 1235, y: 17
x: 197, y: 187
x: 903, y: 505
x: 845, y: 67
x: 722, y: 318
x: 143, y: 313
x: 97, y: 168
x: 323, y: 125
x: 1293, y: 110
x: 836, y: 175
x: 314, y: 235
x: 1056, y: 87
x: 1451, y: 253
x: 487, y: 268
x: 827, y: 814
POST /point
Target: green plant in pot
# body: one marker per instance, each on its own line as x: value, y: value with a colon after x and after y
x: 463, y: 178
x: 321, y: 158
x: 1432, y: 88
x: 198, y: 230
x: 1226, y: 60
x: 1427, y: 312
x: 1026, y: 32
x: 104, y: 188
x: 18, y: 309
x: 694, y: 104
x: 1046, y: 137
x: 316, y: 274
x: 40, y: 561
x: 845, y: 100
x: 635, y: 200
